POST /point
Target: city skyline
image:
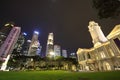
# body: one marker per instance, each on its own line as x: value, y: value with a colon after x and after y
x: 68, y: 20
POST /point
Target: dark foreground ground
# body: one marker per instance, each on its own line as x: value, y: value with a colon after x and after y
x: 59, y: 75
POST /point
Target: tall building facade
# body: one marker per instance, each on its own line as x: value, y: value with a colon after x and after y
x: 26, y: 47
x: 103, y: 57
x: 64, y: 53
x: 50, y: 45
x: 20, y: 43
x: 34, y: 45
x: 4, y: 32
x: 57, y: 50
x: 9, y: 43
x: 8, y: 46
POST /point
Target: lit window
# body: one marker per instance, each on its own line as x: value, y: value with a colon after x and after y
x: 102, y: 54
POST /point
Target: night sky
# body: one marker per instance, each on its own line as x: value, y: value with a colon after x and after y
x: 67, y: 19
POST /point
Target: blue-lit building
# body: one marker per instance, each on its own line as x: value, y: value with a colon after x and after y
x: 35, y: 47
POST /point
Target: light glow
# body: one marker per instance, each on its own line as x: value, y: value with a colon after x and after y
x: 36, y: 32
x: 25, y: 34
x: 52, y: 53
x: 29, y: 41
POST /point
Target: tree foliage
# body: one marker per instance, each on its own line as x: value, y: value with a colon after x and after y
x: 107, y: 8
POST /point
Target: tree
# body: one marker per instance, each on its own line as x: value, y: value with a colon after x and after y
x: 107, y: 8
x: 59, y: 60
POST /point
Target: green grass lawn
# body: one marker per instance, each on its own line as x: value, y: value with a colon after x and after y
x: 59, y: 75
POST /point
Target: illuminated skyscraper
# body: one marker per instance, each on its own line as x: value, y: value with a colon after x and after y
x: 49, y: 47
x: 4, y: 32
x: 64, y: 53
x: 57, y: 50
x: 20, y: 43
x: 34, y: 45
x: 8, y: 46
x: 96, y: 33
